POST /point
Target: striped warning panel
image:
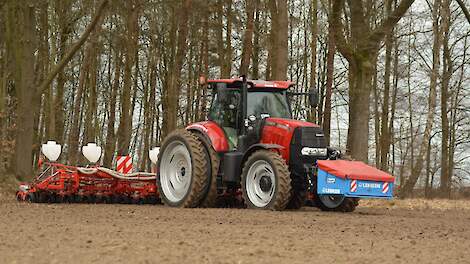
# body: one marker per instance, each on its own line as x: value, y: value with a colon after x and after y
x: 385, y: 187
x: 124, y: 164
x: 353, y: 186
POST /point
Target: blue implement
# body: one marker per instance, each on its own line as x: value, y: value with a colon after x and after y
x: 329, y: 184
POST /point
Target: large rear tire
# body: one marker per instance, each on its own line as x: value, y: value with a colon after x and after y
x: 210, y: 198
x: 266, y: 181
x: 182, y: 170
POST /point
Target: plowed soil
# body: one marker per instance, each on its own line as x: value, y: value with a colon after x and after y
x: 412, y: 231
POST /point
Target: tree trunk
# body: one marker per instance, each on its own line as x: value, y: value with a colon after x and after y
x: 418, y: 165
x: 247, y: 38
x: 90, y: 116
x: 110, y: 133
x: 171, y: 96
x: 361, y: 53
x: 446, y: 183
x: 313, y: 63
x: 25, y: 81
x: 62, y: 8
x: 384, y: 148
x: 74, y: 135
x: 224, y: 47
x: 124, y: 132
x: 148, y: 113
x: 227, y: 68
x: 205, y: 65
x: 330, y: 60
x: 279, y: 39
x: 21, y: 23
x: 360, y: 80
x: 256, y: 45
x: 427, y: 187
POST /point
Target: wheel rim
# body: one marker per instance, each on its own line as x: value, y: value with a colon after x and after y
x: 332, y: 201
x: 260, y: 183
x: 175, y: 171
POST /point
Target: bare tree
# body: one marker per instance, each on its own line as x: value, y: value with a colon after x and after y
x: 248, y: 38
x: 279, y: 37
x: 178, y: 45
x: 360, y: 50
x: 408, y: 186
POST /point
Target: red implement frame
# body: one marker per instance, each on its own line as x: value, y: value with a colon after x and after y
x: 61, y: 183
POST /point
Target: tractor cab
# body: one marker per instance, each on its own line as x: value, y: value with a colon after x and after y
x: 243, y: 119
x: 264, y: 99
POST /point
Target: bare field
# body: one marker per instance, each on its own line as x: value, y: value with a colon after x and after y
x: 408, y: 231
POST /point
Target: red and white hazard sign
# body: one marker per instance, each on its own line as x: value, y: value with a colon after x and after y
x: 385, y: 187
x: 124, y: 164
x: 353, y: 185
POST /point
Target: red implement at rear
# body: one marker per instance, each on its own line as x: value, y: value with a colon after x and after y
x: 61, y: 183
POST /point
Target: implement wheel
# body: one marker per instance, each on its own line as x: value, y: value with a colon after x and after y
x: 266, y: 182
x: 182, y: 176
x: 337, y: 203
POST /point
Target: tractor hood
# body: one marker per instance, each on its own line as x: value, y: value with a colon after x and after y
x: 292, y: 135
x: 289, y: 124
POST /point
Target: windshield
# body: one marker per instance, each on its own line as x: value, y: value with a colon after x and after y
x: 226, y: 105
x: 269, y: 103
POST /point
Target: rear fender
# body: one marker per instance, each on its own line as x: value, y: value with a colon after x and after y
x: 213, y: 133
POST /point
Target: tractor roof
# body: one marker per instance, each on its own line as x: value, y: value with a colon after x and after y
x: 257, y: 83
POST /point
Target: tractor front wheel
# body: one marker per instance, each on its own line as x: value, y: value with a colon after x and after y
x: 266, y: 181
x: 182, y: 170
x: 299, y: 184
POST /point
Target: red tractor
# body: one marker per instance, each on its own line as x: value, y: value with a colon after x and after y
x: 249, y: 144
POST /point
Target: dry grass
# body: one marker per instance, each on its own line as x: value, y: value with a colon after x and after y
x: 439, y: 204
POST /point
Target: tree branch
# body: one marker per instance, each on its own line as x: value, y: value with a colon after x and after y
x: 389, y: 23
x: 75, y: 47
x: 335, y: 20
x: 464, y: 9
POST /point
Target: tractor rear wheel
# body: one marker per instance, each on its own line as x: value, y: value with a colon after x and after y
x: 266, y: 181
x: 182, y: 170
x: 337, y: 203
x: 210, y: 199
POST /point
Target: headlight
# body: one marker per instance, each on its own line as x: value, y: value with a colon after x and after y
x: 307, y: 151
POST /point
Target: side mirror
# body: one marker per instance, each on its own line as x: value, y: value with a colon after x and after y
x: 313, y: 97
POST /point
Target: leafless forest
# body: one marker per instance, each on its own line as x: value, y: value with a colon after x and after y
x: 393, y: 76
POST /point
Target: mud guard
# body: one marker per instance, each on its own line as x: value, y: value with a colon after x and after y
x: 258, y: 146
